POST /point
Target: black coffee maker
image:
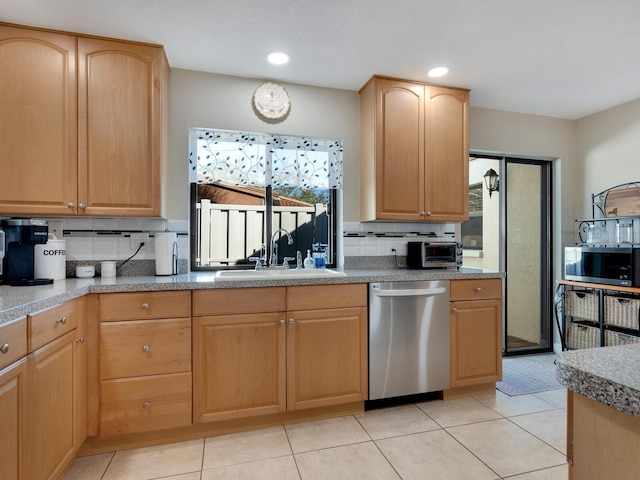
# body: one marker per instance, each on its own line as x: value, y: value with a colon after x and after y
x: 20, y: 236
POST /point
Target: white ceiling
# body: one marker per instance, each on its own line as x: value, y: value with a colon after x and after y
x: 560, y: 58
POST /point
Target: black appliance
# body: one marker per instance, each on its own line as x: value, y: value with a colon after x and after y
x: 434, y: 255
x: 20, y: 236
x: 618, y: 266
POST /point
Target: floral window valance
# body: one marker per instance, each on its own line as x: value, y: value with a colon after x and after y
x: 261, y: 159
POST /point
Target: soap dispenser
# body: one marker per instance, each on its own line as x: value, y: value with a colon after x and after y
x: 309, y: 262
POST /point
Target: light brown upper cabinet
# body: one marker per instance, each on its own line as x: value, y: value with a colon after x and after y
x: 83, y: 129
x: 414, y: 151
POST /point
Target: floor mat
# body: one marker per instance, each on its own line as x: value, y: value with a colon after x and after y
x: 528, y: 374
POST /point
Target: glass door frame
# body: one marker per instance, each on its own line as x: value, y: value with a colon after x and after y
x: 546, y: 253
x: 546, y: 264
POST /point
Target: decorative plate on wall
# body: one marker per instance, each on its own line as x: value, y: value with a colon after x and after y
x: 271, y: 100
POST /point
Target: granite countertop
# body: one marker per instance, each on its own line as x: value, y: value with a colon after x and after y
x: 609, y: 375
x: 16, y: 302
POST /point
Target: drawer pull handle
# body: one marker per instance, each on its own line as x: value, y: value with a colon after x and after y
x: 478, y: 289
x: 80, y: 340
x: 454, y: 310
x: 62, y: 320
x: 145, y: 348
x: 4, y: 348
x: 282, y: 322
x: 70, y: 205
x: 146, y: 405
x: 145, y: 306
x: 291, y: 321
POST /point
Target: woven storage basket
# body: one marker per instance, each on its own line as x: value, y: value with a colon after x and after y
x: 612, y: 338
x: 581, y: 305
x: 624, y: 312
x: 582, y: 336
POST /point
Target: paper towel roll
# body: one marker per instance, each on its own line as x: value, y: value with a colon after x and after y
x: 166, y: 245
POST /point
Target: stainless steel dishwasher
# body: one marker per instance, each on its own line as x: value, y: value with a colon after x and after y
x: 408, y: 338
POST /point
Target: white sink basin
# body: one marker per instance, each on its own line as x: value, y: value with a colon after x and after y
x: 277, y: 273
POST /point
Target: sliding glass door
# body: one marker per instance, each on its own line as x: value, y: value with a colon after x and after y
x: 527, y: 253
x: 509, y: 229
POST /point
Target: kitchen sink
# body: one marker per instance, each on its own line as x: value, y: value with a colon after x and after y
x: 277, y: 273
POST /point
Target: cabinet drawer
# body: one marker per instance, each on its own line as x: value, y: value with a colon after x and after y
x: 145, y: 347
x: 145, y: 305
x: 476, y: 289
x: 13, y: 341
x: 312, y: 297
x: 144, y: 404
x: 47, y: 325
x: 238, y: 300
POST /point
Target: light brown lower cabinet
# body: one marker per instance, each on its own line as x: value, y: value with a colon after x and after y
x: 144, y: 362
x: 287, y: 349
x: 13, y: 412
x: 239, y: 366
x: 602, y: 442
x: 325, y: 352
x: 476, y: 332
x: 53, y: 404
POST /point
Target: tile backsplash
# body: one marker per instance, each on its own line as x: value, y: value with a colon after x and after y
x: 95, y: 239
x: 378, y: 239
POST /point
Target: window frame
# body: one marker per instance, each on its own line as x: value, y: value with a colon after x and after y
x: 334, y: 207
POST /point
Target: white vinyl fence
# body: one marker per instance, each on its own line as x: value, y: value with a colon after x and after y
x: 229, y: 234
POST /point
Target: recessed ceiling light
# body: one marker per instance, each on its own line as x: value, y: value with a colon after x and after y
x: 278, y: 58
x: 438, y: 71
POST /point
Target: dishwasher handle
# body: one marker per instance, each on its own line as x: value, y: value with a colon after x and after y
x: 410, y: 292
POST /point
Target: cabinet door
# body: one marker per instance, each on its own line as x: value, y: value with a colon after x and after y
x: 238, y: 366
x: 476, y: 345
x: 447, y: 155
x: 400, y: 139
x: 38, y: 126
x: 50, y: 423
x: 119, y: 128
x: 13, y: 417
x: 326, y: 357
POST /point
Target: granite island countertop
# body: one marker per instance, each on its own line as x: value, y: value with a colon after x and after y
x: 609, y: 375
x: 16, y: 302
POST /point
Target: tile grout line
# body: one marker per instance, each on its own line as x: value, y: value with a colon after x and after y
x: 378, y: 448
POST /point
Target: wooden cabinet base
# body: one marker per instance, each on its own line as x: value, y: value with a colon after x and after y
x: 459, y: 392
x: 95, y: 445
x: 606, y: 442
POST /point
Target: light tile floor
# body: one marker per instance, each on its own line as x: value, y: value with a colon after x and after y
x: 486, y: 437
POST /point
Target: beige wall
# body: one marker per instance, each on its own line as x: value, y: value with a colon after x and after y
x: 493, y: 131
x: 609, y: 148
x: 206, y: 100
x: 583, y: 151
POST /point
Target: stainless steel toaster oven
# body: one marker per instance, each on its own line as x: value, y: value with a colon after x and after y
x: 434, y: 255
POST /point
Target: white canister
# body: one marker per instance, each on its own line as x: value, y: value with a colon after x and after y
x: 50, y: 259
x: 108, y: 269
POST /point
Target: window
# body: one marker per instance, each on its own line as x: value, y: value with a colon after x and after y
x: 245, y: 186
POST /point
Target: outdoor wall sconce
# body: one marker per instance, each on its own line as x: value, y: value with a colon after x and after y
x: 491, y: 180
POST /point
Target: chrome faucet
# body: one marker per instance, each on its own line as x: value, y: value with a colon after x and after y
x: 274, y: 246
